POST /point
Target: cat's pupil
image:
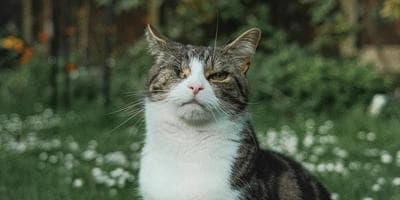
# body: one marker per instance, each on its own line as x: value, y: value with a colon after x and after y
x: 178, y: 72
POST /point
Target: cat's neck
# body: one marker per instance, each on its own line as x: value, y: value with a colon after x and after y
x: 168, y: 133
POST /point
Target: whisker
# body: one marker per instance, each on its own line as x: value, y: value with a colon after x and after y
x: 129, y: 106
x: 123, y: 123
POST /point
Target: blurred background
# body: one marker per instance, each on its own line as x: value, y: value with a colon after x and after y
x: 325, y: 89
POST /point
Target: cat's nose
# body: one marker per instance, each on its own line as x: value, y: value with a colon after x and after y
x: 196, y: 88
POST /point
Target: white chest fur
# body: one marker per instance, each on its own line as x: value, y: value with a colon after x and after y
x: 182, y: 162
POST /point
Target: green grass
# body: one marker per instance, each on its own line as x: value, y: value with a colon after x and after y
x: 30, y: 175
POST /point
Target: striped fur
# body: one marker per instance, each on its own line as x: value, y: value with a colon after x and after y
x: 254, y: 174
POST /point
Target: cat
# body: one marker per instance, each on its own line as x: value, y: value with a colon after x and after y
x: 199, y: 143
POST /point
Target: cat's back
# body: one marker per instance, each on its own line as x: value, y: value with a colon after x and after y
x: 277, y: 177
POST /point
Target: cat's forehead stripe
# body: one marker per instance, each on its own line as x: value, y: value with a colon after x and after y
x: 196, y: 66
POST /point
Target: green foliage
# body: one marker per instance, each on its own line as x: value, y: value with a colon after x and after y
x: 24, y: 85
x: 121, y: 5
x: 130, y: 72
x: 391, y: 9
x: 292, y: 78
x: 196, y: 21
x: 8, y: 58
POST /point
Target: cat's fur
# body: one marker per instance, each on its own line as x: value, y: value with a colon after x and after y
x: 200, y: 144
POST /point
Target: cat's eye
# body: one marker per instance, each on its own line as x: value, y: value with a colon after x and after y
x: 218, y: 77
x: 183, y: 72
x: 180, y: 72
x: 177, y: 71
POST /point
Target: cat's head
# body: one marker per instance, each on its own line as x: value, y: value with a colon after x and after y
x: 201, y: 83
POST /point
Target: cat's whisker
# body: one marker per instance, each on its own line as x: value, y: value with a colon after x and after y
x: 225, y: 109
x: 129, y: 106
x: 124, y: 122
x: 211, y: 109
x: 134, y: 112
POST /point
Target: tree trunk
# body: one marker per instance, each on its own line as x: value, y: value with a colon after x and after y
x: 153, y: 12
x: 54, y: 54
x: 109, y: 62
x: 83, y: 30
x: 27, y: 21
x: 46, y: 25
x: 350, y: 8
x: 68, y: 32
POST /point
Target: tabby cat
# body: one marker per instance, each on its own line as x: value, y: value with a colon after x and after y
x: 200, y: 144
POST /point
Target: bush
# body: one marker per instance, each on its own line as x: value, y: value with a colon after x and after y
x: 292, y: 78
x: 130, y: 72
x: 23, y: 85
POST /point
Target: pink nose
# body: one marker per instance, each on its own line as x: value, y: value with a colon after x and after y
x: 196, y: 88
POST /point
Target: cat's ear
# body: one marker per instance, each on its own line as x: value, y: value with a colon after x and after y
x: 243, y: 47
x: 157, y: 42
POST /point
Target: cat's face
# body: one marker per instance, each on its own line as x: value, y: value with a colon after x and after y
x: 202, y: 83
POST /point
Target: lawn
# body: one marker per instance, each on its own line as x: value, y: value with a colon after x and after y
x: 80, y: 155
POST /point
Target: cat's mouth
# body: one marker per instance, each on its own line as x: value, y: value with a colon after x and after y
x: 193, y: 102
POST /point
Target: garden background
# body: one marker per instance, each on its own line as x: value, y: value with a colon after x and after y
x: 324, y: 89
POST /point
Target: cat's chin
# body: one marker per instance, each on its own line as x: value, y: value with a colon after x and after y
x: 194, y: 113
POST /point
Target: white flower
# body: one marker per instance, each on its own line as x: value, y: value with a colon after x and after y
x: 92, y: 144
x: 110, y: 182
x: 339, y: 167
x: 355, y: 165
x: 99, y: 159
x: 117, y: 158
x: 117, y: 172
x: 135, y: 165
x: 319, y: 150
x: 367, y: 198
x: 290, y: 144
x: 361, y: 135
x: 20, y: 147
x: 89, y: 154
x: 381, y: 180
x: 376, y: 187
x: 68, y: 164
x: 386, y: 158
x: 340, y: 152
x: 398, y: 158
x: 77, y: 183
x: 43, y: 156
x: 99, y: 175
x: 96, y: 172
x: 330, y: 167
x: 334, y: 196
x: 371, y: 136
x: 321, y: 167
x: 396, y: 181
x: 310, y: 124
x: 69, y: 156
x: 55, y: 143
x: 371, y: 152
x: 308, y: 140
x: 73, y: 146
x: 53, y: 159
x: 135, y: 146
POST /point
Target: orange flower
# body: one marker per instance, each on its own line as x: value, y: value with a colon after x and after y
x: 70, y: 67
x: 12, y: 42
x: 43, y: 37
x: 26, y: 55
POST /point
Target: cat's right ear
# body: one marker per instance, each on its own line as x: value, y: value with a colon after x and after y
x: 157, y: 42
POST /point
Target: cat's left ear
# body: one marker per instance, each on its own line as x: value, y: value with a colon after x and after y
x: 157, y: 42
x: 244, y: 47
